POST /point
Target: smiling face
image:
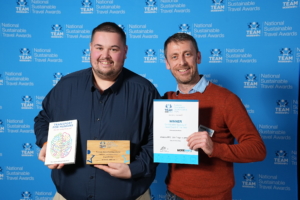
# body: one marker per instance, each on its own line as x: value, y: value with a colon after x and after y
x: 108, y: 53
x: 182, y: 59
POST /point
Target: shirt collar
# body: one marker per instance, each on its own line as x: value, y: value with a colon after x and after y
x: 115, y: 87
x: 199, y: 87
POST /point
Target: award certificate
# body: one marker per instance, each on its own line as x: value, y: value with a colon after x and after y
x: 173, y: 122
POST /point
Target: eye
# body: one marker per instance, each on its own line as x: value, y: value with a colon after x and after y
x: 188, y: 54
x: 114, y: 49
x: 174, y: 57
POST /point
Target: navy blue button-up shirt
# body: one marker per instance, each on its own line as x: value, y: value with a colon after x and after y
x: 122, y: 112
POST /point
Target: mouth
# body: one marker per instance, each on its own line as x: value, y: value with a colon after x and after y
x: 182, y: 71
x: 106, y: 63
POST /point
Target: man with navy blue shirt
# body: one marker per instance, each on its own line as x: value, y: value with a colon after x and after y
x: 110, y: 103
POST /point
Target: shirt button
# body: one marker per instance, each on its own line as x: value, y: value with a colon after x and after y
x: 100, y: 101
x: 98, y: 119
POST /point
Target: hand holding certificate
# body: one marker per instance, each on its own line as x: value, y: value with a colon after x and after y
x: 174, y: 121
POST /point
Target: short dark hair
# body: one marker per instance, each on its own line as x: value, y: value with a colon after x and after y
x: 179, y: 37
x: 109, y: 27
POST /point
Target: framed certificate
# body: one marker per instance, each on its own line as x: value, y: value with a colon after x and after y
x: 173, y: 122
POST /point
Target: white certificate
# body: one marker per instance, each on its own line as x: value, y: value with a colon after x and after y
x: 173, y: 122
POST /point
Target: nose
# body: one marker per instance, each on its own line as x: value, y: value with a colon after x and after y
x: 105, y: 54
x: 182, y: 61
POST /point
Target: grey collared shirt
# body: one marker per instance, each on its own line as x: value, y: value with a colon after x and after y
x: 199, y: 87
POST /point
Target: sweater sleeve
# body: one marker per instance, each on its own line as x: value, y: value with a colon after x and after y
x: 250, y: 146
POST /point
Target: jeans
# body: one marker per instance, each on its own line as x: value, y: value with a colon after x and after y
x: 171, y: 196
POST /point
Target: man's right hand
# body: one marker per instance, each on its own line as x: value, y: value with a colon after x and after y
x: 42, y: 157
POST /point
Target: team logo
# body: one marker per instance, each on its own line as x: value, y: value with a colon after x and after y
x: 27, y: 102
x: 22, y: 6
x: 253, y: 30
x: 1, y: 174
x: 86, y: 56
x: 290, y: 4
x: 185, y: 28
x: 1, y: 126
x: 282, y: 107
x: 281, y: 158
x: 150, y: 56
x: 218, y: 6
x: 87, y: 7
x: 26, y: 196
x: 285, y: 55
x: 250, y: 81
x: 27, y: 150
x: 168, y: 108
x: 25, y: 55
x: 57, y: 77
x: 150, y: 6
x: 249, y: 181
x: 122, y: 27
x: 216, y: 56
x: 1, y: 80
x: 57, y: 31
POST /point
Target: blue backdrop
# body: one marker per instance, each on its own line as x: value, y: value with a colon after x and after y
x: 250, y: 47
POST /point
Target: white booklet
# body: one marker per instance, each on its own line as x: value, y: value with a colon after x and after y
x: 61, y: 143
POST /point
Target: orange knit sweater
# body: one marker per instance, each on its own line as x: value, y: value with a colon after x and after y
x: 213, y: 178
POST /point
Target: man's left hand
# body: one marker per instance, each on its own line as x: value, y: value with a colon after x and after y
x: 118, y: 170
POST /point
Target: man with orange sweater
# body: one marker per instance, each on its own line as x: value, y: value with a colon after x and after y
x: 219, y: 110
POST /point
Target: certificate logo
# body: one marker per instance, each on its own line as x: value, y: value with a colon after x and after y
x: 26, y: 196
x: 27, y: 102
x: 1, y: 126
x: 168, y: 108
x: 150, y: 7
x: 216, y: 56
x: 282, y: 107
x: 87, y: 7
x: 217, y: 6
x: 281, y: 158
x: 249, y: 181
x: 22, y: 6
x: 105, y: 145
x: 150, y: 56
x: 250, y: 81
x: 57, y: 31
x: 287, y: 4
x: 27, y: 150
x: 25, y: 55
x: 285, y: 55
x: 164, y: 149
x: 253, y: 30
x: 57, y: 77
x: 185, y: 28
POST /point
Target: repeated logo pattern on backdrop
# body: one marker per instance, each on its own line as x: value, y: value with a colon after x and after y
x: 249, y: 47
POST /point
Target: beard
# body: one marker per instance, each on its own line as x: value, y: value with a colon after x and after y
x: 110, y: 74
x: 188, y: 79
